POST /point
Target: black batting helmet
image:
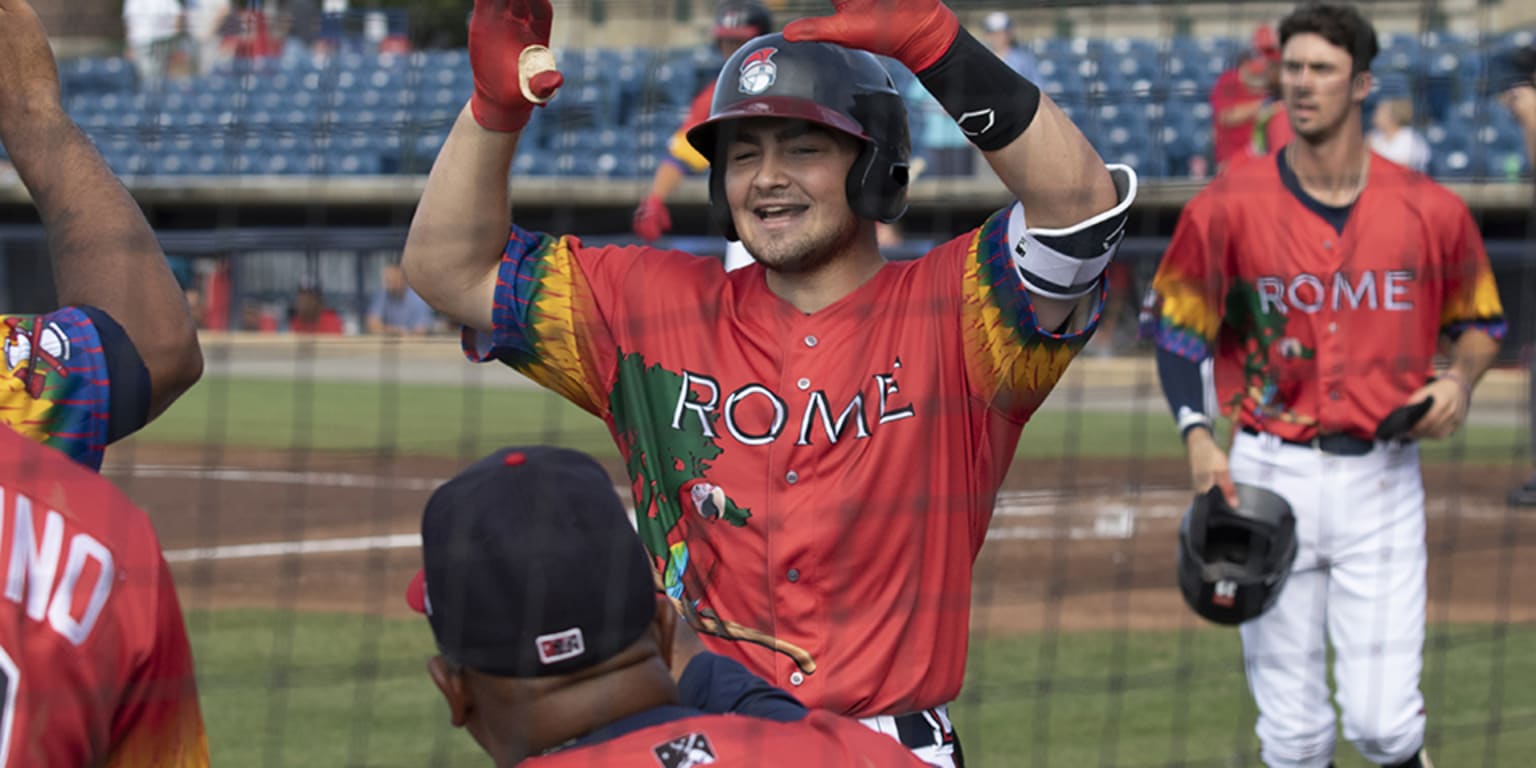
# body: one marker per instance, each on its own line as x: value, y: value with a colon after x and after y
x: 1234, y: 562
x: 741, y: 20
x: 840, y: 88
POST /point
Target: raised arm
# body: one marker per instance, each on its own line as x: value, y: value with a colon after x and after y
x: 460, y: 227
x: 104, y: 253
x: 1071, y: 212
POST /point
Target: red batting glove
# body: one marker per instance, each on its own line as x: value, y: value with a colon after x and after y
x: 508, y: 47
x: 652, y: 219
x: 913, y: 32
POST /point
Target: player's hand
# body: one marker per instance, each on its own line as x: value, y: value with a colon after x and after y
x: 1448, y: 411
x: 31, y: 78
x: 1521, y: 100
x: 1208, y: 465
x: 913, y: 32
x: 509, y: 56
x: 652, y: 219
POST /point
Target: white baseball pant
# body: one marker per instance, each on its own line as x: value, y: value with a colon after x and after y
x: 1359, y: 584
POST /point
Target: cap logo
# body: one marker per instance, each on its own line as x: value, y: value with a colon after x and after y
x: 758, y: 71
x: 559, y: 646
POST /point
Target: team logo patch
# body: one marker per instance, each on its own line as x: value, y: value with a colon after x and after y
x: 560, y: 646
x: 758, y: 71
x: 686, y: 752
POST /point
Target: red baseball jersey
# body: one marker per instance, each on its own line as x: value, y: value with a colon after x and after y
x: 1231, y: 142
x: 821, y: 740
x: 815, y: 487
x: 1314, y: 331
x: 94, y: 660
x: 678, y: 145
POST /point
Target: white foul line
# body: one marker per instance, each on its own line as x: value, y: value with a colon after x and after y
x: 283, y: 548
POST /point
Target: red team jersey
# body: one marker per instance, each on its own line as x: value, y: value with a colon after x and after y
x: 815, y: 486
x: 94, y: 660
x: 1314, y: 331
x: 1231, y: 142
x: 821, y: 740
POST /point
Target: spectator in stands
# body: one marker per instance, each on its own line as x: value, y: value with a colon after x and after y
x: 122, y: 347
x: 1244, y: 96
x: 936, y: 139
x: 197, y: 305
x: 153, y: 30
x: 396, y: 310
x: 736, y: 22
x: 1521, y: 101
x: 309, y: 313
x: 1393, y: 135
x: 997, y: 30
x: 204, y: 20
x: 254, y: 317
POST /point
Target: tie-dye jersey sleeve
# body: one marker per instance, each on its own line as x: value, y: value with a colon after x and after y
x: 1012, y: 361
x: 55, y: 384
x: 1185, y: 306
x: 1471, y: 297
x: 548, y: 322
x: 160, y: 724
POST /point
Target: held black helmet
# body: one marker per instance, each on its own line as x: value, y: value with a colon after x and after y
x: 840, y: 88
x: 741, y: 20
x: 1234, y: 562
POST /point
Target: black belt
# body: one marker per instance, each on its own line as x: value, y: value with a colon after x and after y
x: 1336, y: 443
x: 916, y: 730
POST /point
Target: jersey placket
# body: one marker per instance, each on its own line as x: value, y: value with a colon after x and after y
x: 1329, y: 338
x: 791, y: 574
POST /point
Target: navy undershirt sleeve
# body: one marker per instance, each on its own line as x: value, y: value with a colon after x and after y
x: 127, y: 379
x: 718, y: 685
x: 1183, y: 385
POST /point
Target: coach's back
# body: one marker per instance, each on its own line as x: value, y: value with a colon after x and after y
x: 95, y: 666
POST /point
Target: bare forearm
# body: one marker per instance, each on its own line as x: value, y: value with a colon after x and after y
x: 668, y: 178
x: 1238, y: 114
x: 103, y: 250
x: 460, y: 227
x: 1472, y: 355
x: 1053, y: 170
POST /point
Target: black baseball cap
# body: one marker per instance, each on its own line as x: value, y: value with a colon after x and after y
x: 531, y: 566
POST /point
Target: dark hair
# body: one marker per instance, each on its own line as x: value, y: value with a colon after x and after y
x: 1341, y: 25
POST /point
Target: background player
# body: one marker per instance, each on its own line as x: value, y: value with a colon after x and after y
x: 125, y: 345
x: 736, y: 22
x: 1242, y: 100
x: 1319, y: 280
x: 94, y: 659
x: 859, y: 413
x: 556, y: 650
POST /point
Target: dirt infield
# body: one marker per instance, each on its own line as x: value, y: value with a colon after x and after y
x: 1074, y: 545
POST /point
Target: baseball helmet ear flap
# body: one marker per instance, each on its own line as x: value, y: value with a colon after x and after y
x: 1233, y: 563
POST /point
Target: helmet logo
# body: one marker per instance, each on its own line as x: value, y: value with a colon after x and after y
x: 758, y: 71
x: 1225, y: 594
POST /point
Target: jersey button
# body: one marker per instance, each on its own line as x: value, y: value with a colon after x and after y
x: 1333, y: 394
x: 803, y: 383
x: 793, y: 575
x: 1333, y: 327
x: 795, y: 678
x: 810, y: 341
x: 792, y: 477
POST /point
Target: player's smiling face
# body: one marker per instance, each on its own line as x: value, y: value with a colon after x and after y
x: 786, y: 182
x: 1318, y: 85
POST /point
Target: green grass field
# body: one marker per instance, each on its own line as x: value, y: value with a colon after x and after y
x: 468, y: 422
x: 283, y: 688
x: 290, y: 689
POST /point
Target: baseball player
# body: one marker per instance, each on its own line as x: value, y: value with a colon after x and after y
x: 124, y: 346
x: 736, y: 22
x: 556, y: 650
x: 94, y: 661
x: 1318, y: 281
x: 816, y: 440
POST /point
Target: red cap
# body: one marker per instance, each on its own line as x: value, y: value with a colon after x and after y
x: 1265, y: 43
